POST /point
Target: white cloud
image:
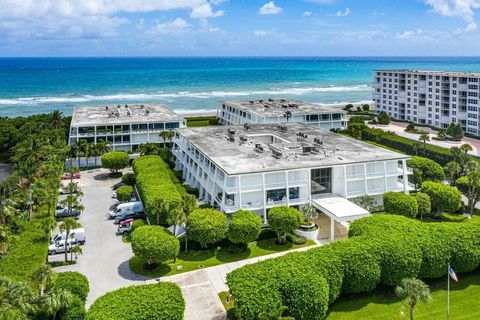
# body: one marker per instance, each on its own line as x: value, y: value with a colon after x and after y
x: 205, y: 11
x: 344, y: 13
x: 175, y: 26
x: 261, y: 33
x: 306, y: 14
x: 464, y: 9
x: 408, y: 34
x: 270, y: 8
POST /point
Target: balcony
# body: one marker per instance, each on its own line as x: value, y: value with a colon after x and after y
x: 271, y: 203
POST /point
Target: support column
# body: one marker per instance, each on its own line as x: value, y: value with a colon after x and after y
x: 264, y: 200
x: 332, y: 229
x: 405, y: 176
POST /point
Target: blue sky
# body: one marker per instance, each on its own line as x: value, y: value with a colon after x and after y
x: 239, y: 28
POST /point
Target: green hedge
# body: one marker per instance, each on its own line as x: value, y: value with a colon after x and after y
x: 76, y: 311
x: 442, y: 196
x: 161, y: 301
x: 400, y: 203
x: 154, y: 182
x: 381, y: 249
x: 74, y: 282
x: 429, y: 170
x: 124, y: 193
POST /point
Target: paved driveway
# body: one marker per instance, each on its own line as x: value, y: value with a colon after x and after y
x: 105, y: 256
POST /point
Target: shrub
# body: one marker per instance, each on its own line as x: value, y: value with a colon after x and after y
x: 76, y: 311
x: 428, y: 169
x: 348, y: 107
x: 400, y: 203
x: 138, y: 223
x: 129, y: 178
x: 115, y: 160
x: 361, y: 269
x: 74, y: 282
x: 383, y: 118
x: 124, y: 193
x: 154, y: 244
x: 206, y: 226
x: 161, y: 301
x: 245, y: 226
x: 298, y: 240
x: 424, y: 205
x: 366, y: 107
x: 443, y: 197
x: 436, y: 251
x: 284, y: 220
x: 154, y: 183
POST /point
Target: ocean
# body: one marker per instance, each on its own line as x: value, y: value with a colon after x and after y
x: 189, y: 85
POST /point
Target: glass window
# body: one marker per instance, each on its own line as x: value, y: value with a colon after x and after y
x: 312, y: 118
x: 294, y: 193
x: 336, y: 116
x: 118, y: 138
x: 276, y: 194
x: 126, y: 138
x: 135, y: 127
x: 325, y: 117
x: 143, y: 126
x: 172, y: 125
x: 321, y: 180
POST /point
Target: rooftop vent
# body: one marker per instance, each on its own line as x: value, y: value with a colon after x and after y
x: 243, y: 139
x: 282, y: 128
x: 306, y: 150
x: 318, y: 141
x: 231, y: 131
x: 258, y: 148
x: 246, y: 126
x: 277, y: 154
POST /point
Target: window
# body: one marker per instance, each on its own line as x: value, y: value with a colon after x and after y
x: 172, y: 125
x: 321, y: 180
x: 294, y: 193
x: 276, y: 194
x: 312, y: 117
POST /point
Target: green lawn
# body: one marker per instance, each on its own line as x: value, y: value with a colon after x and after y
x: 382, y: 304
x: 197, y: 259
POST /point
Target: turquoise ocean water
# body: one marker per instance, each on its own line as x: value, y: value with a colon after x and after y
x: 35, y: 85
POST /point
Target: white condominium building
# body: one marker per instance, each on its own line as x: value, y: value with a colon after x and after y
x: 435, y: 98
x: 123, y: 127
x: 259, y: 166
x: 281, y: 110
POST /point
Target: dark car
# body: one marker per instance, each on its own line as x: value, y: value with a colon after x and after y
x: 63, y: 213
x: 129, y: 215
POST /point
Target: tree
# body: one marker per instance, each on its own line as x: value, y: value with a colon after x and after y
x: 366, y: 107
x: 453, y: 169
x: 443, y: 197
x: 75, y: 250
x: 348, y: 107
x: 245, y: 226
x: 189, y: 203
x: 115, y: 161
x: 424, y: 204
x: 47, y: 225
x: 466, y: 148
x: 86, y: 150
x: 124, y: 193
x: 384, y: 118
x: 44, y: 275
x: 147, y: 149
x: 166, y: 135
x: 71, y: 201
x: 457, y: 133
x: 410, y: 126
x: 16, y: 298
x: 71, y: 171
x: 309, y: 213
x: 413, y: 290
x: 101, y: 148
x: 469, y: 186
x: 154, y: 244
x: 424, y: 137
x: 158, y: 209
x: 287, y: 115
x: 55, y: 300
x: 284, y: 220
x: 67, y: 226
x: 74, y: 152
x: 206, y: 226
x: 366, y: 202
x: 425, y: 169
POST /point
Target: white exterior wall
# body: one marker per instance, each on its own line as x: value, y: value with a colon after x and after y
x: 435, y: 99
x: 249, y: 191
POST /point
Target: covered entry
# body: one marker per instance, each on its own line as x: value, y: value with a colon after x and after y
x: 338, y: 209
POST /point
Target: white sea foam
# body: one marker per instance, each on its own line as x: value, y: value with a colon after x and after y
x: 182, y: 94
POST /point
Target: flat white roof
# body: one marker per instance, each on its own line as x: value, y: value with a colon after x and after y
x: 339, y: 208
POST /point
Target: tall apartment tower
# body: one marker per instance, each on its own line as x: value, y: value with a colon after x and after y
x: 435, y: 98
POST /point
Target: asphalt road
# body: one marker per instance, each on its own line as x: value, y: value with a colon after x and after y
x: 105, y: 256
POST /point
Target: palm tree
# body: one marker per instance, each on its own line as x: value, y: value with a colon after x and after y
x: 147, y: 149
x: 71, y: 171
x: 55, y: 300
x: 74, y: 152
x: 189, y: 203
x: 424, y: 137
x: 47, y: 225
x: 87, y: 150
x: 158, y: 209
x: 55, y: 119
x: 287, y: 115
x: 465, y: 148
x: 103, y: 147
x: 167, y: 135
x: 275, y: 314
x: 16, y: 296
x: 75, y: 250
x: 44, y: 276
x: 413, y: 290
x: 67, y: 226
x: 71, y: 201
x: 473, y: 185
x: 453, y: 170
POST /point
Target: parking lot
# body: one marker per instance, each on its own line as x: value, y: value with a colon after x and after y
x: 105, y: 256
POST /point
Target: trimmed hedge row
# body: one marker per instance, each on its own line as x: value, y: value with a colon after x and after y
x: 153, y: 182
x: 161, y: 301
x: 400, y: 203
x: 74, y: 282
x: 381, y: 249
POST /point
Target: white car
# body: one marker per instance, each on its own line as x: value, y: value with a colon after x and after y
x: 59, y: 246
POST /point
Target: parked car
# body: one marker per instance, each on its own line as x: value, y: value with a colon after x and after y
x: 77, y: 234
x: 121, y: 208
x: 59, y: 247
x: 63, y: 213
x: 125, y: 227
x: 130, y: 215
x: 67, y: 176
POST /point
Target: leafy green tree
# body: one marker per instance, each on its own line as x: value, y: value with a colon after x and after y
x: 366, y: 107
x: 424, y: 137
x: 348, y: 107
x: 189, y: 203
x: 67, y: 226
x: 400, y: 203
x: 167, y: 135
x: 287, y: 115
x: 410, y: 126
x: 115, y: 160
x: 284, y: 220
x: 55, y: 300
x: 469, y: 186
x: 244, y: 227
x: 47, y: 225
x: 17, y: 299
x: 44, y: 276
x: 453, y: 170
x: 206, y: 226
x: 86, y: 149
x: 75, y: 250
x: 147, y: 149
x: 425, y: 169
x: 424, y: 204
x: 101, y: 147
x: 443, y: 197
x: 154, y: 244
x: 124, y: 193
x: 413, y: 290
x: 384, y: 118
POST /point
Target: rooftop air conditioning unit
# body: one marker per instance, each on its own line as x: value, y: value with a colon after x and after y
x: 258, y: 147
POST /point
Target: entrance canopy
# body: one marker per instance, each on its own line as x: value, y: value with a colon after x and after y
x: 338, y: 209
